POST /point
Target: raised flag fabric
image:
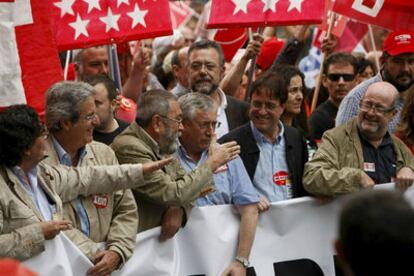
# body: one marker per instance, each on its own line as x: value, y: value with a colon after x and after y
x: 30, y: 62
x: 86, y: 23
x: 230, y: 40
x: 389, y: 14
x: 180, y: 13
x: 253, y: 13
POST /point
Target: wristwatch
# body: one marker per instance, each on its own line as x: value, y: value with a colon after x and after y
x: 245, y: 262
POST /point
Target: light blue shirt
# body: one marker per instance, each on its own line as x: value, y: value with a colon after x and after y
x: 271, y: 175
x: 64, y: 159
x: 30, y: 184
x: 233, y: 185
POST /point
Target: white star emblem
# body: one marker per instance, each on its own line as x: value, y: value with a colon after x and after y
x: 80, y: 26
x: 295, y: 4
x: 111, y: 21
x: 241, y: 5
x: 270, y: 5
x: 119, y: 3
x: 138, y: 16
x: 65, y: 7
x: 93, y: 4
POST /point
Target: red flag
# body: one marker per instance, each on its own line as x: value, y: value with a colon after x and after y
x: 231, y: 40
x: 180, y: 13
x: 39, y: 61
x: 80, y: 23
x: 390, y: 14
x: 252, y: 13
x: 339, y: 24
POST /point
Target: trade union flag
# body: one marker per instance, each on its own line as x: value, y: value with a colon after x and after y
x: 389, y: 14
x: 86, y: 23
x: 254, y: 13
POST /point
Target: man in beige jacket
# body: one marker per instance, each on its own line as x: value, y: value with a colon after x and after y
x: 153, y: 136
x: 32, y: 193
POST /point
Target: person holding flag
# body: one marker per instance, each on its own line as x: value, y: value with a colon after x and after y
x: 397, y: 68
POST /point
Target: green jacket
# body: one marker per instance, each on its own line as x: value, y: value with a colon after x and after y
x: 134, y: 145
x: 337, y: 165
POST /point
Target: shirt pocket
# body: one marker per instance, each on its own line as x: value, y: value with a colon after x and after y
x: 19, y: 215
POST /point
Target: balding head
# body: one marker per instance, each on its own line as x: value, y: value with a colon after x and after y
x: 377, y: 108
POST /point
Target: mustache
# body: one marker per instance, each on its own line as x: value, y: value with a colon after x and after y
x: 405, y: 74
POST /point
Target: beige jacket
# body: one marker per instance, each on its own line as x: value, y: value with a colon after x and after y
x: 20, y: 234
x: 114, y: 224
x: 134, y: 145
x: 337, y: 165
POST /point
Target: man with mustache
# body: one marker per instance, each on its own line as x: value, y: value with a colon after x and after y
x: 153, y: 135
x: 206, y: 70
x: 361, y: 152
x: 397, y: 68
x: 339, y: 77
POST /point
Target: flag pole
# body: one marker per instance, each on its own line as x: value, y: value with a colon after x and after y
x: 251, y: 69
x: 114, y: 72
x: 318, y: 84
x: 374, y: 47
x: 67, y: 61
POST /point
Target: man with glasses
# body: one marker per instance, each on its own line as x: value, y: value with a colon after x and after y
x: 152, y: 136
x: 105, y: 223
x: 273, y: 153
x: 338, y: 78
x: 206, y: 70
x: 397, y: 68
x: 233, y: 185
x: 361, y: 153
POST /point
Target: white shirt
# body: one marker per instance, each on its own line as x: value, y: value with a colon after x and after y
x: 223, y: 127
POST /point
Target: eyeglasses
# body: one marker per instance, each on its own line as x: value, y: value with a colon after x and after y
x: 197, y: 66
x: 380, y: 110
x: 345, y: 77
x: 269, y: 106
x: 177, y: 121
x: 90, y: 117
x: 207, y: 125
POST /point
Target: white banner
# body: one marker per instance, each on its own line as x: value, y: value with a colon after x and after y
x: 295, y: 237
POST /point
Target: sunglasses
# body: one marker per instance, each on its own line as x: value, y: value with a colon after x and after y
x: 345, y: 77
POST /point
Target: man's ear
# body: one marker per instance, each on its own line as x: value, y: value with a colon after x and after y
x: 65, y: 124
x: 156, y: 123
x: 324, y: 80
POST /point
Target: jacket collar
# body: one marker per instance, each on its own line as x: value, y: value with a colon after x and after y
x: 140, y: 133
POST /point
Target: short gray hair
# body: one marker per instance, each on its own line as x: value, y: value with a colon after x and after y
x: 191, y: 103
x: 151, y: 103
x: 63, y: 101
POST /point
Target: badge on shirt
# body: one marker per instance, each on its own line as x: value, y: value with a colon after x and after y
x: 100, y: 201
x: 280, y: 178
x: 369, y: 167
x: 221, y: 169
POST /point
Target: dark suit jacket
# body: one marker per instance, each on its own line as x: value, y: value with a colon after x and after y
x: 296, y: 153
x: 237, y: 112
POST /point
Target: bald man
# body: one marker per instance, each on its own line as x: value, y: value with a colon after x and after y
x: 361, y: 153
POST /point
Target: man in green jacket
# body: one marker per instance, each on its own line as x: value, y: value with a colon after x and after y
x: 361, y: 153
x: 153, y: 136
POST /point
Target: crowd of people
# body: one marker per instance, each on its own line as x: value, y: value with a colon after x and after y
x: 195, y: 135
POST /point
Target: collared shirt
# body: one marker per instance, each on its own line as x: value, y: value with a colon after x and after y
x: 65, y: 159
x: 179, y: 90
x: 349, y: 106
x: 30, y: 184
x: 223, y: 127
x: 271, y: 177
x: 379, y: 163
x: 233, y: 185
